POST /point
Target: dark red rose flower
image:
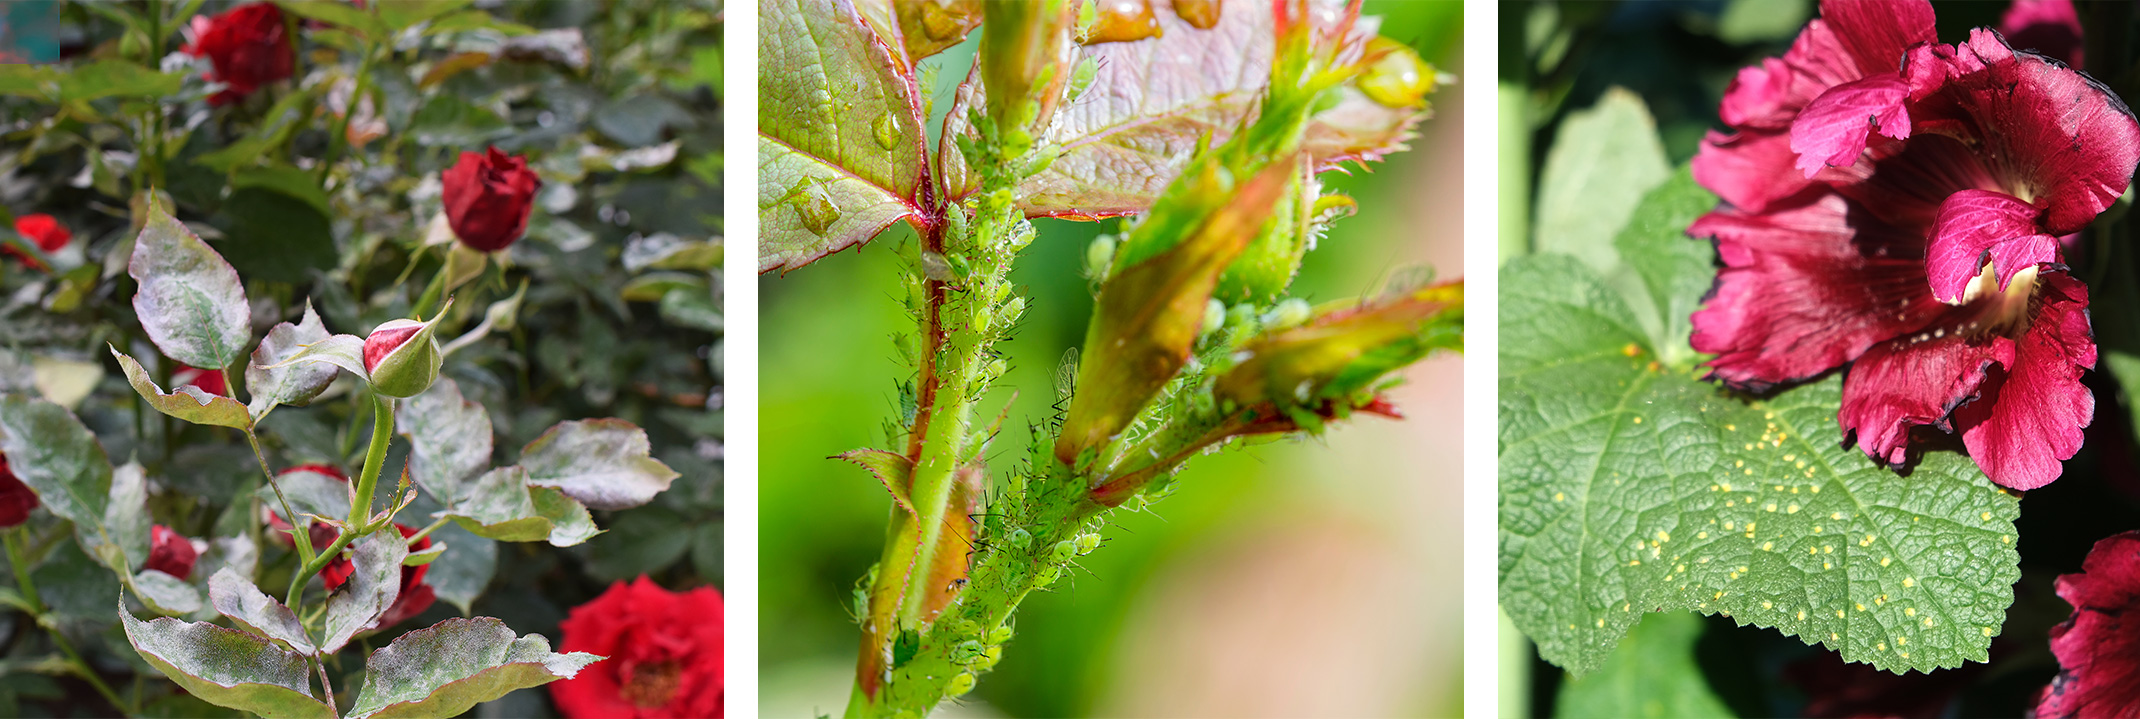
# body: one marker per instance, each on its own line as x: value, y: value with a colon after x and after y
x: 16, y: 498
x: 488, y: 196
x: 2098, y: 648
x: 247, y: 46
x: 1895, y: 205
x: 416, y: 596
x: 2049, y: 27
x: 208, y: 380
x: 664, y: 652
x: 170, y: 552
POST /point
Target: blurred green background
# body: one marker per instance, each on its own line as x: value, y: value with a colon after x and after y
x: 1290, y: 579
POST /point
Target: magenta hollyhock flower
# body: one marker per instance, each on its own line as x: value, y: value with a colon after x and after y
x: 1895, y: 205
x: 2098, y: 648
x: 2048, y: 27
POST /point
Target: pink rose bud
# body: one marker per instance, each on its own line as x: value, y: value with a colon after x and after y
x: 170, y: 552
x: 402, y: 357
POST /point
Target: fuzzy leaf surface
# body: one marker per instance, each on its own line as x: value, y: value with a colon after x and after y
x: 442, y: 670
x: 190, y: 301
x: 1652, y: 674
x: 840, y: 133
x: 1629, y: 486
x: 166, y: 594
x: 1604, y: 160
x: 603, y: 463
x: 227, y: 667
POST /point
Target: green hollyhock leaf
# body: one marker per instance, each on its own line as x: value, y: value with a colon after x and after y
x: 1672, y: 272
x: 442, y: 670
x: 603, y: 463
x: 227, y: 667
x: 1603, y: 161
x: 370, y: 591
x: 270, y: 382
x: 254, y: 611
x: 500, y: 505
x: 1652, y: 674
x: 449, y: 440
x: 1629, y: 487
x: 840, y: 133
x: 50, y: 450
x: 189, y: 403
x: 189, y: 300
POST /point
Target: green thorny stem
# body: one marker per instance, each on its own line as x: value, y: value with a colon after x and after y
x: 360, y: 509
x: 13, y: 539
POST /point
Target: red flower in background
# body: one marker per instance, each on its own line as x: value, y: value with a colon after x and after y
x: 16, y: 498
x: 170, y: 552
x: 208, y: 380
x: 2098, y: 648
x: 664, y: 652
x: 44, y: 231
x: 247, y: 46
x: 488, y: 197
x: 1894, y: 205
x: 416, y: 596
x: 2049, y: 27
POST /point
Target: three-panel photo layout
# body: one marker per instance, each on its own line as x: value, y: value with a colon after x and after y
x: 1090, y: 358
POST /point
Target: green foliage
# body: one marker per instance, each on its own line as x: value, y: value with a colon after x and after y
x: 443, y: 670
x: 228, y: 667
x: 1628, y: 485
x: 1653, y: 674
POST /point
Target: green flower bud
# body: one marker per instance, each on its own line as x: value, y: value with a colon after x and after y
x: 1025, y: 57
x: 402, y: 356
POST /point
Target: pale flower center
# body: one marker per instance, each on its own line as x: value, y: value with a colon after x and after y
x: 2002, y: 311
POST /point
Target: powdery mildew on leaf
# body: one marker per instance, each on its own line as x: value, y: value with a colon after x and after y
x: 189, y: 403
x: 227, y: 667
x: 442, y: 670
x: 370, y: 591
x: 500, y: 505
x: 50, y: 450
x: 252, y: 610
x: 449, y: 439
x: 190, y: 301
x: 603, y: 463
x: 297, y: 384
x: 1628, y: 487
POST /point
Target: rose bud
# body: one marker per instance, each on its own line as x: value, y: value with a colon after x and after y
x: 1394, y: 75
x: 246, y: 45
x: 16, y: 498
x: 664, y: 649
x: 170, y: 552
x: 1026, y: 57
x: 488, y: 196
x: 402, y: 357
x: 1346, y: 348
x: 42, y: 230
x: 1152, y: 307
x: 415, y: 597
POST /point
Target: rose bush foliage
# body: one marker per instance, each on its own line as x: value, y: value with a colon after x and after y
x: 225, y: 200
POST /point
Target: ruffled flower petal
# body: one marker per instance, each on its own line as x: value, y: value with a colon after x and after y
x: 2063, y: 141
x: 1976, y: 226
x: 2098, y: 649
x: 2029, y: 416
x: 1833, y: 129
x: 1914, y: 381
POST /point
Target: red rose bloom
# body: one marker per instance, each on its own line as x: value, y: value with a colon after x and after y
x: 664, y: 652
x: 246, y: 45
x: 416, y: 596
x: 2098, y: 648
x: 16, y: 498
x: 170, y: 552
x: 1895, y: 205
x: 209, y: 381
x: 488, y: 197
x: 44, y: 231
